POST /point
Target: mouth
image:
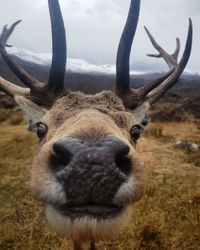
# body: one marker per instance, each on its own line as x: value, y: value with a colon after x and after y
x: 88, y: 221
x: 92, y: 210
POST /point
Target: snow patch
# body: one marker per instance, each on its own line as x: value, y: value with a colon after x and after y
x: 78, y: 65
x: 73, y: 65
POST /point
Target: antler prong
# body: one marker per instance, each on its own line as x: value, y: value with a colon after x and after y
x: 42, y: 93
x: 155, y: 94
x: 26, y: 78
x: 154, y: 84
x: 6, y: 33
x: 153, y: 91
x: 178, y: 46
x: 57, y: 71
x: 12, y: 89
x: 171, y: 60
x: 154, y: 55
x: 124, y: 49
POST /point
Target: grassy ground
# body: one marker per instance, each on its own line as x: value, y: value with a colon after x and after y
x: 168, y: 217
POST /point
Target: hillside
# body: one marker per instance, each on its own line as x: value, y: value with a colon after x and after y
x: 84, y: 76
x: 179, y: 103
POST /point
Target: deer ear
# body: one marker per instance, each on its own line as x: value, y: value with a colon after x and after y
x: 32, y: 112
x: 141, y: 114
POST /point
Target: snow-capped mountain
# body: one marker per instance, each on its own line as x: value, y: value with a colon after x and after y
x: 73, y: 65
x: 83, y: 67
x: 90, y: 78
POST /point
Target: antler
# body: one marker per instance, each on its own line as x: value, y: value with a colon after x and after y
x: 17, y: 69
x: 124, y: 49
x: 42, y: 93
x: 154, y: 90
x: 57, y: 72
x: 171, y: 60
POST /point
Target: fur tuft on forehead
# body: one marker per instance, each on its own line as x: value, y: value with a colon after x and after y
x: 73, y: 103
x: 106, y: 102
x: 77, y: 100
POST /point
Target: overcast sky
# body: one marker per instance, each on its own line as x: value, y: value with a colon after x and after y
x: 94, y: 28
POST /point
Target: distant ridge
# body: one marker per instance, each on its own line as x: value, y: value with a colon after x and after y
x: 181, y: 100
x: 73, y: 65
x: 83, y: 76
x: 76, y: 65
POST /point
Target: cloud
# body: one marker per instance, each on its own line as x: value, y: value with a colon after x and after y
x: 94, y: 28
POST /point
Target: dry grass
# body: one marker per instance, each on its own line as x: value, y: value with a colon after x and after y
x: 168, y: 217
x: 14, y: 117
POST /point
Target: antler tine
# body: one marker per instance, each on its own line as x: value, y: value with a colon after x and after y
x: 154, y: 90
x: 57, y: 71
x: 42, y: 93
x: 124, y: 49
x: 178, y: 46
x: 171, y: 60
x: 148, y: 87
x: 27, y: 79
x: 6, y: 33
x: 156, y: 94
x: 36, y: 90
x: 11, y: 89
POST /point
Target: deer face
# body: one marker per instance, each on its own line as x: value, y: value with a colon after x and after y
x: 87, y: 170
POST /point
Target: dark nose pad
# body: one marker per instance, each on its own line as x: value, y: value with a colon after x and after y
x: 61, y: 154
x: 91, y: 171
x: 122, y: 160
x: 66, y: 148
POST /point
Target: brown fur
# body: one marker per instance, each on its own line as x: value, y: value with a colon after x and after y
x: 90, y: 118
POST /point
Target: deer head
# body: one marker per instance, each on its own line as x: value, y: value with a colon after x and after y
x: 87, y: 170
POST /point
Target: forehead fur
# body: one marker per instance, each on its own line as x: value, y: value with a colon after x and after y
x: 75, y: 102
x: 103, y: 100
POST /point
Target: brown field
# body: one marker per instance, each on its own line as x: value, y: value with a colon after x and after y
x: 168, y: 216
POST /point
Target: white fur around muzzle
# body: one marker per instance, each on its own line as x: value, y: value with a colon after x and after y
x: 86, y: 227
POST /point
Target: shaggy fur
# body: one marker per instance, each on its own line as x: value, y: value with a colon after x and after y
x: 89, y: 118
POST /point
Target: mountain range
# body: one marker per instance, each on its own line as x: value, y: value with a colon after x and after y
x: 181, y: 100
x: 81, y: 75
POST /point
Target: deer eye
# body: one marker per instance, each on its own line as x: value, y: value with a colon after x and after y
x: 135, y: 133
x: 41, y: 130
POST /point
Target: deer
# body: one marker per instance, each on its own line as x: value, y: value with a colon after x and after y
x: 87, y: 170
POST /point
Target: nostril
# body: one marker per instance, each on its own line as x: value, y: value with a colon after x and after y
x: 122, y: 160
x: 60, y: 155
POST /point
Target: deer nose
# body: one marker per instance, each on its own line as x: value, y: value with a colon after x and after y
x: 91, y: 171
x: 108, y: 150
